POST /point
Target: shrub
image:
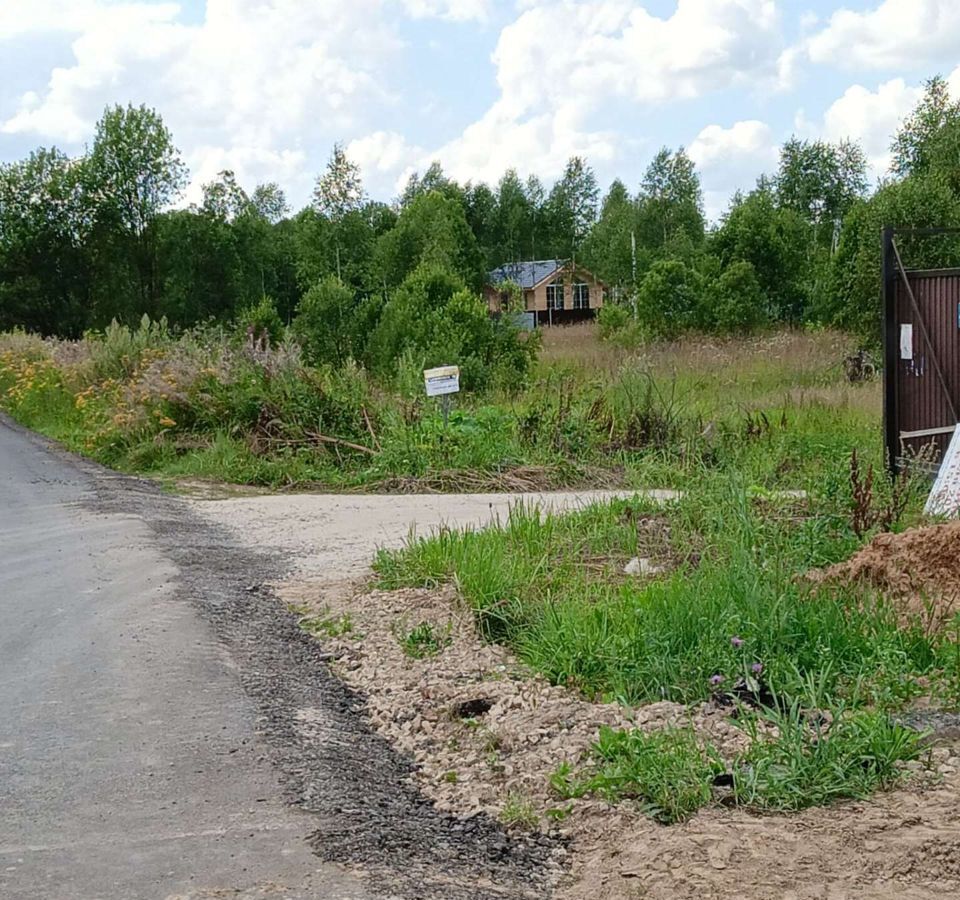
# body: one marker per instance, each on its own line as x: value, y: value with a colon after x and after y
x: 435, y: 318
x: 120, y: 350
x: 261, y: 323
x: 736, y: 303
x: 325, y: 322
x: 670, y: 298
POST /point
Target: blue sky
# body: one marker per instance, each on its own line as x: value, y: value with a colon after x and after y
x: 265, y: 87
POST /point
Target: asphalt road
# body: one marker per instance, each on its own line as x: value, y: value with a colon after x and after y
x: 131, y: 764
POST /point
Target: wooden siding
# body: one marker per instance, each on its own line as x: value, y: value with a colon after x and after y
x: 535, y: 299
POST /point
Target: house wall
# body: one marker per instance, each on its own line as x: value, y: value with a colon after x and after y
x: 538, y: 297
x: 535, y: 299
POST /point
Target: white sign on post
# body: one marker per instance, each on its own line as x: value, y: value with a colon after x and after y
x: 944, y: 499
x: 442, y: 381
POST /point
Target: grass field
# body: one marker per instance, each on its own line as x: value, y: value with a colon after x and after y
x: 774, y: 408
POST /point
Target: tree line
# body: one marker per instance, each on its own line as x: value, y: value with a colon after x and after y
x: 87, y: 240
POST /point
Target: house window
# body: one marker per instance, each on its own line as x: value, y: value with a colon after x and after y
x: 555, y: 295
x: 581, y: 296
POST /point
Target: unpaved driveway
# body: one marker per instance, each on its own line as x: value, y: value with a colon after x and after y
x: 332, y: 538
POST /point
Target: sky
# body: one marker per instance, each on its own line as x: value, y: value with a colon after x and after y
x: 266, y: 87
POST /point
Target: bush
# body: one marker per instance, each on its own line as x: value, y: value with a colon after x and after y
x: 433, y: 317
x: 325, y: 321
x: 611, y: 319
x: 120, y: 350
x: 670, y: 298
x: 262, y: 323
x: 736, y: 303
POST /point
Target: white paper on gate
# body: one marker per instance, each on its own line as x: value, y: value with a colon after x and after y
x: 443, y: 380
x: 944, y: 499
x: 906, y: 342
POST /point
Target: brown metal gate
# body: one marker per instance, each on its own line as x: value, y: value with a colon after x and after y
x: 921, y: 357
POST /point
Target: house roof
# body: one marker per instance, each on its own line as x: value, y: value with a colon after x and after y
x: 526, y: 274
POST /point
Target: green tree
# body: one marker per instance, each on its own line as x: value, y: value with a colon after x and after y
x: 480, y: 208
x: 136, y: 172
x: 670, y: 205
x: 339, y: 195
x: 431, y: 230
x: 821, y: 182
x: 45, y: 220
x: 571, y: 208
x: 914, y: 146
x: 853, y: 301
x: 608, y: 250
x: 774, y: 240
x: 514, y: 220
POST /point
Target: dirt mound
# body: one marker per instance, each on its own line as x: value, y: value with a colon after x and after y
x: 919, y: 569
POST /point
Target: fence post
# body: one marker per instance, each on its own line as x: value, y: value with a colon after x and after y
x: 891, y: 419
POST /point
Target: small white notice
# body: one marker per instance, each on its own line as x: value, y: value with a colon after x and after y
x: 906, y: 342
x: 441, y: 381
x: 944, y: 499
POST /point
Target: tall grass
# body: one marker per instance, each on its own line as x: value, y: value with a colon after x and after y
x: 773, y: 408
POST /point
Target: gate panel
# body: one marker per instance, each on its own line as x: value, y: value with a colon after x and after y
x: 925, y: 404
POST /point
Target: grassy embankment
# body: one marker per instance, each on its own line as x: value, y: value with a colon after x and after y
x: 774, y: 409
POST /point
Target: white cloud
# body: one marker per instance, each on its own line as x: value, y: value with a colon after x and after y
x: 454, y: 10
x: 572, y: 53
x: 731, y: 158
x: 253, y: 87
x: 895, y: 34
x: 718, y: 148
x: 870, y: 118
x: 561, y: 61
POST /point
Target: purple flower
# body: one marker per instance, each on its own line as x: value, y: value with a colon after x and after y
x: 737, y: 641
x: 756, y: 668
x: 716, y: 680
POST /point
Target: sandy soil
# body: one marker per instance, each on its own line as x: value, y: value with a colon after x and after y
x: 904, y: 844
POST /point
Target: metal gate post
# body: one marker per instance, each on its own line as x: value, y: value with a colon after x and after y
x: 891, y: 418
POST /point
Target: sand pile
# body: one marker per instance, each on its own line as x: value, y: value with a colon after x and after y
x: 918, y: 569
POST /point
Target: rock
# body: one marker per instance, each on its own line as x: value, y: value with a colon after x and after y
x: 640, y: 565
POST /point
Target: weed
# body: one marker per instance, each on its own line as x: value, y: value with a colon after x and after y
x: 519, y: 812
x: 670, y: 773
x: 327, y: 625
x: 424, y: 641
x: 815, y: 760
x: 559, y: 813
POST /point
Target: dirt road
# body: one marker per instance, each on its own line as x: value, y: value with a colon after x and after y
x: 168, y: 732
x: 331, y: 537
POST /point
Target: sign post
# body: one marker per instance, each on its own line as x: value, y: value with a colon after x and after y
x: 442, y: 382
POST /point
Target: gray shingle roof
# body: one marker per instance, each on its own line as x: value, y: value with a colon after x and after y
x: 525, y: 274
